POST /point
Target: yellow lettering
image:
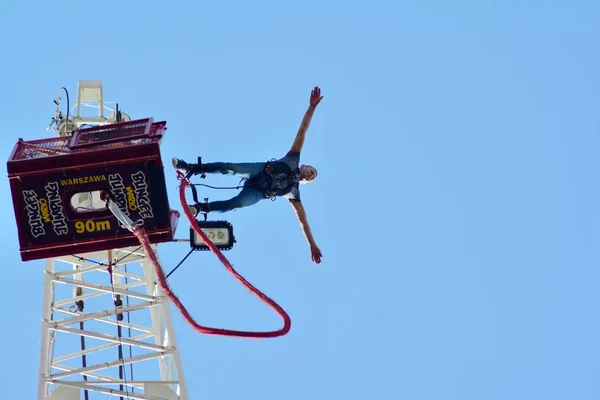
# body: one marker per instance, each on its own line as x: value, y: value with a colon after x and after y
x: 82, y: 180
x: 91, y: 226
x: 131, y: 201
x: 45, y: 210
x: 79, y: 227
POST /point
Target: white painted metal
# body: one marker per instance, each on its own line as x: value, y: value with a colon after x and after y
x: 90, y: 96
x: 154, y: 359
x: 143, y: 341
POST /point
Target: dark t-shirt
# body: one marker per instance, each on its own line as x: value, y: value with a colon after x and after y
x: 293, y: 161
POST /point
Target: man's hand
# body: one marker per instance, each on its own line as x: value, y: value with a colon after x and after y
x: 315, y: 96
x: 316, y: 253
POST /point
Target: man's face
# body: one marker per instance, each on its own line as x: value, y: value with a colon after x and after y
x: 307, y: 173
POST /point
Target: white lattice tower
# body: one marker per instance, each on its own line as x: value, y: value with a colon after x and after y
x: 135, y: 356
x: 103, y: 338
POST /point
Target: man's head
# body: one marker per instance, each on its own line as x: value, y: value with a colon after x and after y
x: 308, y: 173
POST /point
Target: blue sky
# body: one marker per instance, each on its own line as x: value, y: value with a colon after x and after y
x: 456, y: 204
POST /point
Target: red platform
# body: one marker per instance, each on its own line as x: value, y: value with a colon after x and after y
x: 122, y: 159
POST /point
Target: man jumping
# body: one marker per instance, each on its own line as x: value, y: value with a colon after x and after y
x: 266, y: 179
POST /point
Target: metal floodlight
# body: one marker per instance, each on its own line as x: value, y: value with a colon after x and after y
x: 219, y: 232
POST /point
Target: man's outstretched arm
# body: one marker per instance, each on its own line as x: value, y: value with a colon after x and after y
x: 315, y: 98
x: 315, y: 252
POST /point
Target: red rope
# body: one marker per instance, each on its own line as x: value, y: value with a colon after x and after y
x: 144, y: 240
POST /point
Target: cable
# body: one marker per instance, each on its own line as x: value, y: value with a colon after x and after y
x: 180, y: 262
x: 129, y: 330
x: 218, y: 187
x: 80, y: 306
x: 118, y: 302
x: 142, y: 236
x: 58, y: 115
x: 286, y: 319
x: 103, y: 264
x: 68, y: 104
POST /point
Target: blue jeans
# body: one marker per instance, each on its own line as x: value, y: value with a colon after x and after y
x: 248, y: 196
